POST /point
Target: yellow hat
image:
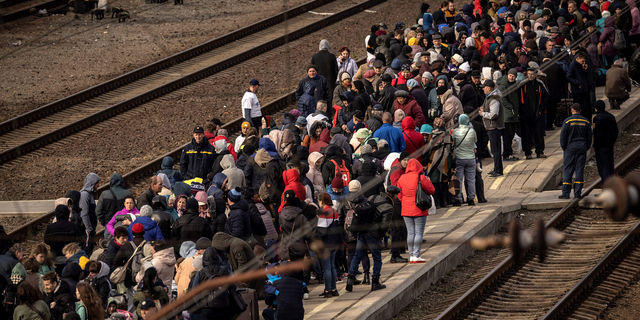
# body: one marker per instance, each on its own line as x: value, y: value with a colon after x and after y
x: 246, y: 125
x: 413, y: 41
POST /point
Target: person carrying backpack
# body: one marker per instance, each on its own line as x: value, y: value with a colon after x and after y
x: 608, y: 41
x: 362, y: 219
x: 212, y: 267
x: 347, y: 210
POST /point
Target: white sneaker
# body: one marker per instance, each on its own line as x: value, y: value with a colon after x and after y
x: 411, y: 259
x: 305, y: 296
x: 478, y: 167
x: 313, y: 277
x: 418, y: 260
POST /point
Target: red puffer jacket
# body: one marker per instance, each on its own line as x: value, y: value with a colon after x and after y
x: 291, y: 180
x: 408, y: 183
x: 412, y: 140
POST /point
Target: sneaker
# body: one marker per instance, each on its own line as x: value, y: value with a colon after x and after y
x: 305, y: 296
x: 313, y: 277
x: 511, y: 158
x: 418, y: 260
x: 457, y: 203
x: 541, y: 156
x: 399, y: 260
x: 410, y: 259
x: 335, y: 293
x: 326, y: 294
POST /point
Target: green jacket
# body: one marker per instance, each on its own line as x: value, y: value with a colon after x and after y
x: 23, y: 312
x: 510, y: 102
x: 141, y: 295
x: 81, y: 310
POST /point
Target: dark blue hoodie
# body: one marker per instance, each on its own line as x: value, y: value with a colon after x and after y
x: 307, y: 103
x: 167, y: 168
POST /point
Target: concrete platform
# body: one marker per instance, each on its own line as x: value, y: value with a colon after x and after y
x: 30, y: 207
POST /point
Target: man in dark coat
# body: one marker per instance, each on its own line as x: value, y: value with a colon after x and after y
x: 577, y: 76
x: 387, y: 95
x: 575, y: 140
x: 327, y: 67
x: 533, y: 104
x: 197, y: 157
x: 112, y: 201
x: 511, y: 105
x: 62, y: 232
x: 375, y: 121
x: 361, y: 100
x: 58, y: 292
x: 160, y: 215
x: 274, y: 183
x: 190, y: 226
x: 419, y: 95
x: 467, y: 95
x: 396, y: 44
x: 10, y: 259
x: 323, y: 85
x: 155, y: 186
x: 405, y: 56
x: 238, y: 222
x: 605, y: 134
x: 556, y: 82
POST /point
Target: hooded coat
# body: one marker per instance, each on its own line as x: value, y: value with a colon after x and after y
x: 307, y: 103
x: 607, y: 38
x: 274, y: 169
x: 434, y: 100
x: 341, y: 141
x: 64, y: 299
x: 240, y: 254
x: 411, y: 109
x: 160, y: 215
x: 451, y: 109
x: 383, y: 48
x: 323, y: 141
x: 326, y: 64
x: 315, y: 170
x: 413, y: 140
x: 291, y: 220
x: 61, y: 232
x: 291, y: 180
x: 213, y: 267
x: 408, y: 184
x: 167, y: 168
x: 112, y: 201
x: 467, y: 95
x: 87, y: 202
x: 235, y: 176
x: 101, y: 283
x: 151, y: 230
x: 164, y: 261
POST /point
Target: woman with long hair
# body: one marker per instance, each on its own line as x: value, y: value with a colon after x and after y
x: 89, y: 305
x: 149, y: 290
x: 31, y: 305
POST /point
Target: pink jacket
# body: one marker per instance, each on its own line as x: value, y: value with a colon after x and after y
x: 635, y: 15
x: 111, y: 224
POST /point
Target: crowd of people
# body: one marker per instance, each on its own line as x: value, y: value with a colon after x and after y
x: 367, y: 154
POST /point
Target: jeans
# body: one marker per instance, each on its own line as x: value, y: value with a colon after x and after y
x: 375, y: 245
x: 573, y: 161
x: 415, y: 230
x: 465, y: 168
x: 604, y: 161
x: 316, y: 267
x: 330, y: 273
x: 351, y: 251
x: 496, y: 149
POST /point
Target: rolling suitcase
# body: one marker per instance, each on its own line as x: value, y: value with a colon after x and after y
x: 252, y: 312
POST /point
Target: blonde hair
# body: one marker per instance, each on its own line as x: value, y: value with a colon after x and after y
x: 71, y: 248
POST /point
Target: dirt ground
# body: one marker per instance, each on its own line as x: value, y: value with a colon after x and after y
x: 163, y: 126
x: 59, y: 55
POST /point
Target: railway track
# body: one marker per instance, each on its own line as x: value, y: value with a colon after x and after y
x: 137, y: 179
x: 577, y: 280
x: 43, y: 126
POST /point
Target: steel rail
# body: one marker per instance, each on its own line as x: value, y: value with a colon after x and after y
x: 459, y: 305
x: 26, y: 11
x: 130, y: 77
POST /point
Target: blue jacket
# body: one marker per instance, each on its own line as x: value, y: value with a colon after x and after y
x: 151, y: 230
x: 197, y: 159
x: 577, y: 77
x: 307, y: 103
x: 335, y: 196
x: 576, y: 134
x: 392, y: 135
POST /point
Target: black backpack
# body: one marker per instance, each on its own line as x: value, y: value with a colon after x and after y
x: 358, y: 217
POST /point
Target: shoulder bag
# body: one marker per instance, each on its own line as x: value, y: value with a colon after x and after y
x: 423, y: 200
x: 119, y: 274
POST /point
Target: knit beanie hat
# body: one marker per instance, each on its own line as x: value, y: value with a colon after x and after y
x: 362, y: 133
x: 354, y: 186
x: 203, y: 243
x: 513, y: 71
x: 146, y: 210
x: 302, y: 121
x: 404, y: 154
x: 337, y: 183
x: 366, y: 149
x: 599, y: 105
x: 137, y: 228
x: 295, y: 113
x: 192, y: 204
x: 235, y: 194
x: 441, y: 90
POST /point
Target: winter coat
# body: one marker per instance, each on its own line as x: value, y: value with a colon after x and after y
x: 64, y: 299
x: 238, y: 222
x: 87, y: 202
x: 143, y: 294
x: 471, y: 54
x: 336, y: 197
x: 291, y: 220
x: 190, y: 227
x: 307, y: 103
x: 235, y: 176
x: 274, y: 183
x: 213, y: 267
x: 315, y: 170
x: 408, y: 184
x: 325, y: 138
x: 240, y: 254
x: 107, y: 206
x: 467, y: 95
x: 291, y: 180
x: 361, y: 102
x: 23, y: 312
x: 605, y: 130
x: 387, y: 97
x: 608, y: 37
x: 366, y: 165
x: 381, y: 218
x: 183, y: 275
x: 196, y: 159
x: 341, y: 141
x: 289, y: 299
x: 216, y: 218
x: 451, y: 109
x: 167, y: 168
x: 164, y: 261
x: 350, y: 66
x: 383, y: 43
x: 577, y: 76
x: 146, y: 198
x: 421, y: 98
x: 533, y: 99
x: 464, y: 139
x: 7, y: 262
x: 61, y: 232
x: 151, y: 230
x: 510, y: 102
x: 124, y: 253
x: 411, y: 109
x: 101, y: 283
x: 392, y: 135
x: 618, y: 83
x: 329, y: 168
x: 111, y: 225
x: 413, y: 140
x: 352, y: 201
x: 110, y: 254
x: 373, y: 123
x: 329, y: 237
x: 323, y: 91
x: 326, y: 65
x: 493, y: 115
x: 254, y: 175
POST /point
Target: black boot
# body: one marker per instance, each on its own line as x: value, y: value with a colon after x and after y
x: 366, y: 279
x: 356, y: 281
x: 376, y: 285
x: 350, y: 282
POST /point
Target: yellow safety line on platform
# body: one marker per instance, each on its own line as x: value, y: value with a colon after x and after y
x: 496, y: 184
x: 326, y: 303
x: 449, y: 212
x: 552, y: 137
